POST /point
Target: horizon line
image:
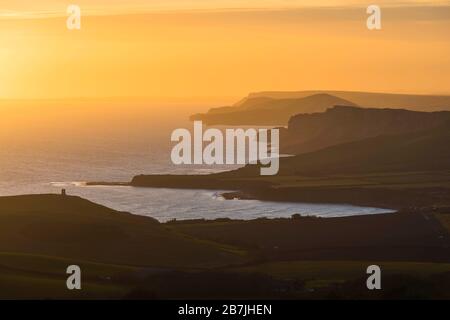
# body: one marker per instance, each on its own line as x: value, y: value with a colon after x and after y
x: 172, y: 99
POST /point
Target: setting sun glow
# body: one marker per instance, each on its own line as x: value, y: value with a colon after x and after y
x: 174, y: 50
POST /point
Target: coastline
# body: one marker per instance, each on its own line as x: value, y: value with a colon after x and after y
x: 419, y: 196
x: 205, y: 252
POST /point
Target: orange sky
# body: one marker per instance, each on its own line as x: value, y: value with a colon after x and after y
x: 221, y: 54
x: 121, y: 5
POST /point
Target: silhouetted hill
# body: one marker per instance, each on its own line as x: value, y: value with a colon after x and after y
x: 427, y: 150
x: 341, y: 124
x: 415, y: 102
x: 267, y: 111
x: 74, y: 228
x: 275, y: 108
x: 127, y: 256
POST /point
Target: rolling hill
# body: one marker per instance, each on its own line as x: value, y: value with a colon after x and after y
x: 425, y: 150
x: 74, y: 228
x: 415, y: 102
x: 284, y: 258
x: 275, y: 108
x: 267, y: 111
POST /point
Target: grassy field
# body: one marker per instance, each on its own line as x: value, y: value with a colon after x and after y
x: 394, y: 179
x: 127, y: 256
x: 74, y: 228
x: 444, y: 218
x: 24, y: 276
x: 330, y: 272
x: 384, y: 237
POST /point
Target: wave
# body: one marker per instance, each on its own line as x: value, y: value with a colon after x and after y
x: 69, y: 184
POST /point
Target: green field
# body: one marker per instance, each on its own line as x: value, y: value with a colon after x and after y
x: 24, y: 276
x: 329, y: 272
x: 126, y: 256
x: 74, y: 228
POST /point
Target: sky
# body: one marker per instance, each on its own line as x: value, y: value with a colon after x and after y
x: 111, y: 5
x: 218, y: 50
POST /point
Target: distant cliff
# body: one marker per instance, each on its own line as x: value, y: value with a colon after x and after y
x: 342, y: 124
x: 269, y: 112
x: 276, y: 108
x: 418, y: 151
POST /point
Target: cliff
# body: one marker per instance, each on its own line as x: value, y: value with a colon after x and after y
x: 342, y: 124
x: 276, y: 108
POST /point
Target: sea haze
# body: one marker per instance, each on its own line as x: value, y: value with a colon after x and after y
x: 60, y: 154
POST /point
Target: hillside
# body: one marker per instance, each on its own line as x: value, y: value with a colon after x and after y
x: 275, y: 108
x: 41, y: 235
x: 73, y: 228
x: 267, y: 111
x: 426, y: 150
x: 341, y: 124
x: 414, y: 102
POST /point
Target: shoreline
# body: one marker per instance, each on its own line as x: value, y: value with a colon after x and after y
x: 420, y: 198
x: 260, y: 205
x: 263, y: 194
x: 204, y: 252
x: 321, y: 235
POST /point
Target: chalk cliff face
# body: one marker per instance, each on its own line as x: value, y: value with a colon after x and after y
x: 342, y: 124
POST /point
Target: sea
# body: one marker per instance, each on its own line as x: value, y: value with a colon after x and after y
x: 44, y: 152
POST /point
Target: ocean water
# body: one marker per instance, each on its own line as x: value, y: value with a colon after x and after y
x: 46, y: 159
